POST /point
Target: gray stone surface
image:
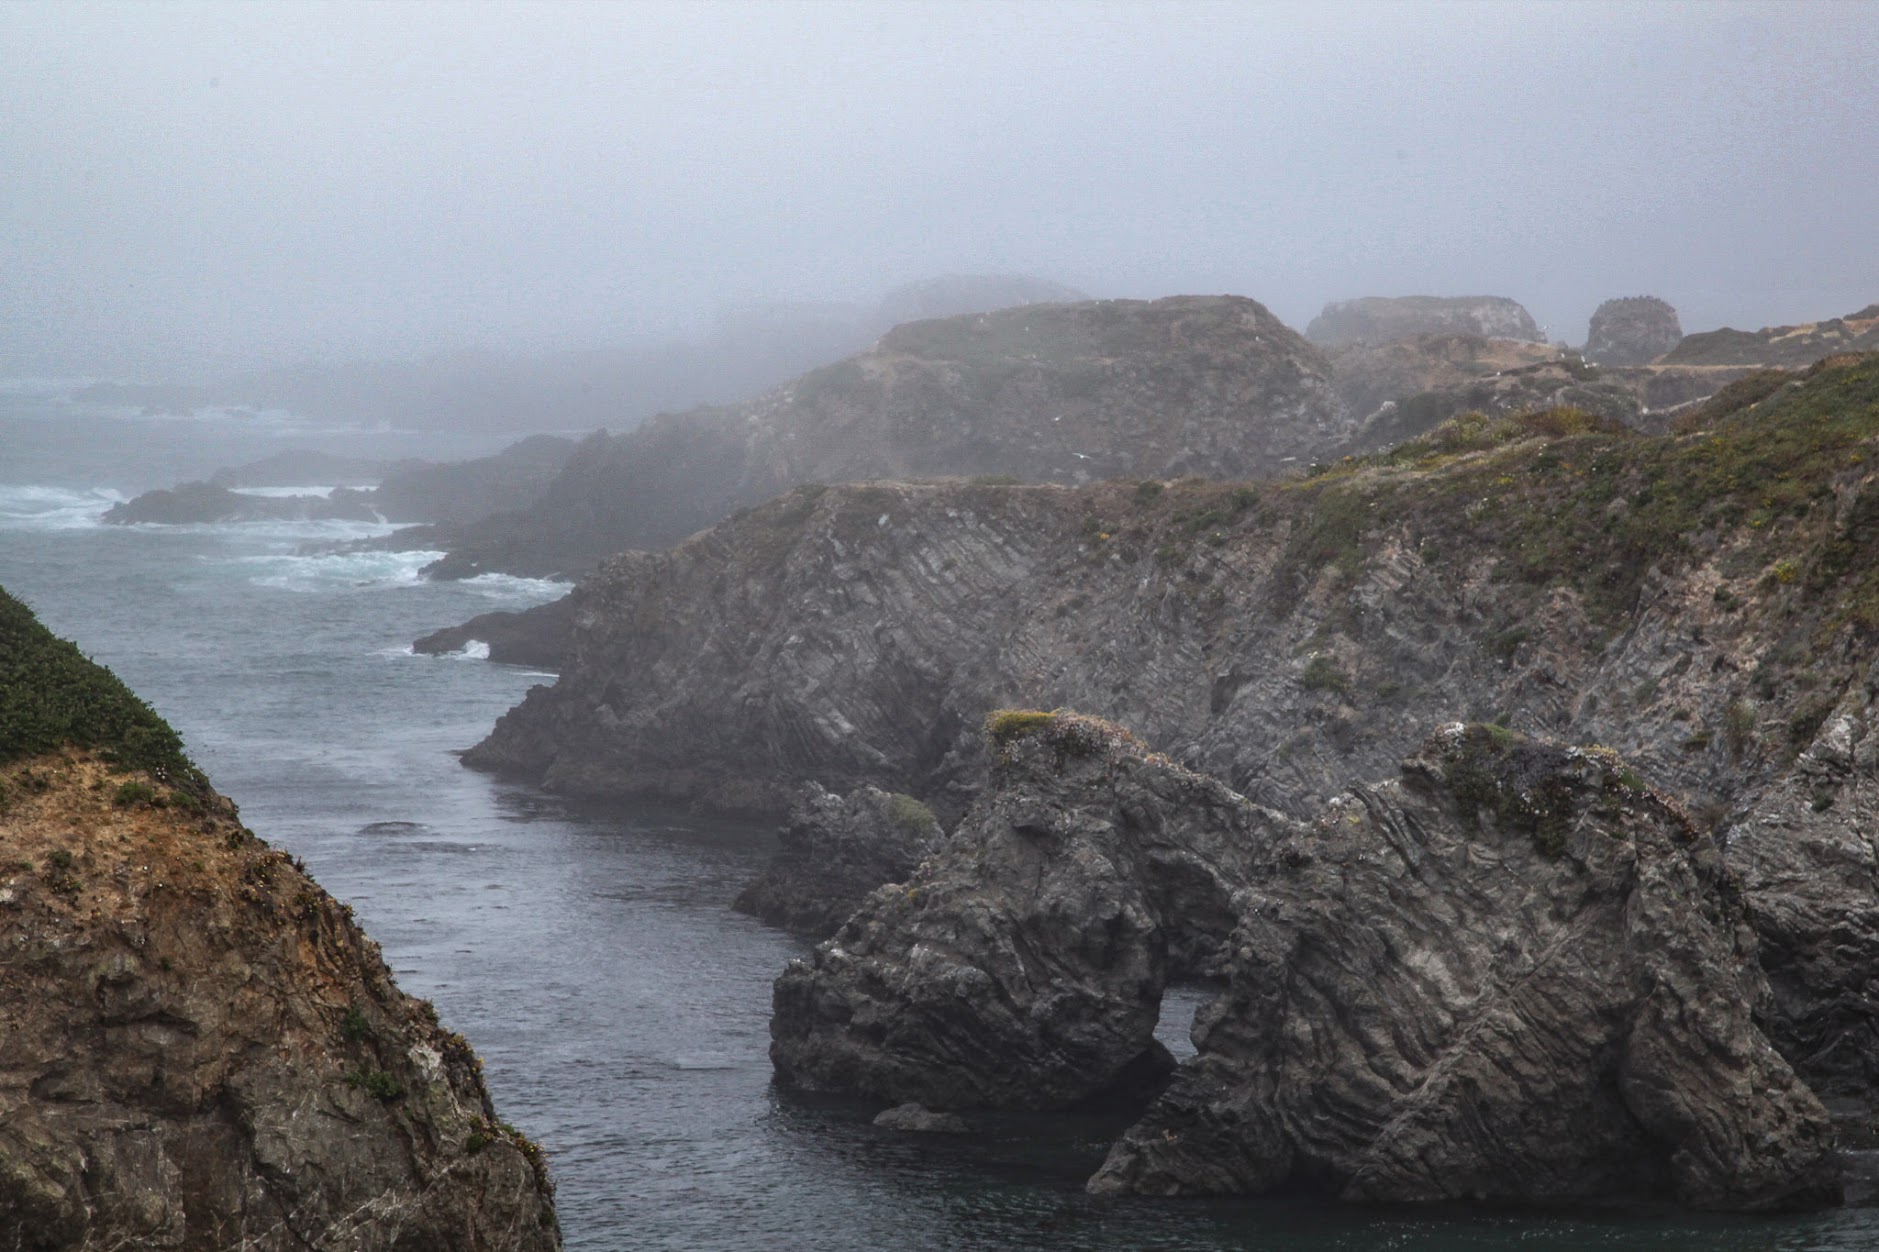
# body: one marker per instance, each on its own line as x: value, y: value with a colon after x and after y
x: 1378, y: 319
x: 1023, y: 966
x: 1513, y: 973
x: 833, y: 851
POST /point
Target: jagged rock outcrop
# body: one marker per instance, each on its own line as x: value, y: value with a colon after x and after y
x: 1809, y: 865
x: 536, y: 636
x: 199, y: 1050
x: 206, y: 503
x: 1697, y: 601
x: 1632, y: 331
x: 1513, y: 973
x: 1786, y: 347
x: 1212, y: 385
x: 447, y: 493
x: 1379, y: 319
x: 833, y: 852
x: 1023, y: 967
x: 1282, y: 637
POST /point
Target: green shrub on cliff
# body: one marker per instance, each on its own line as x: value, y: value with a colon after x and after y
x: 1004, y: 727
x: 52, y: 697
x: 912, y: 817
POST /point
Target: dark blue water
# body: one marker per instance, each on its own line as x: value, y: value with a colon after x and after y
x: 621, y: 1008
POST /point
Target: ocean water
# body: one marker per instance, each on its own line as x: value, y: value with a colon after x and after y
x: 590, y: 955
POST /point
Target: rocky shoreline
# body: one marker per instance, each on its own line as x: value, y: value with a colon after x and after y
x: 1632, y: 969
x: 1514, y: 972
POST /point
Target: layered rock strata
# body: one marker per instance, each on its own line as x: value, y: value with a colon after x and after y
x: 1700, y: 602
x: 1513, y: 973
x: 1023, y: 966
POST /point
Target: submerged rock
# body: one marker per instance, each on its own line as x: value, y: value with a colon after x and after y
x: 920, y: 1119
x: 833, y: 852
x: 1023, y: 966
x: 1513, y: 973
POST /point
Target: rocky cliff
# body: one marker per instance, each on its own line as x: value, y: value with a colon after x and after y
x: 1781, y: 346
x: 201, y: 1050
x: 834, y: 851
x: 1379, y: 319
x: 1681, y: 597
x: 1634, y: 330
x: 1701, y: 601
x: 1023, y: 967
x: 1050, y: 393
x: 1512, y: 972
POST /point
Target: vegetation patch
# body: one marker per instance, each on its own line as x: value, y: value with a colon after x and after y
x: 1532, y: 787
x: 1323, y: 674
x: 1004, y: 727
x: 376, y: 1083
x: 52, y: 697
x: 911, y: 817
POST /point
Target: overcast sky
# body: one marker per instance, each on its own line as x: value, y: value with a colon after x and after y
x: 185, y: 187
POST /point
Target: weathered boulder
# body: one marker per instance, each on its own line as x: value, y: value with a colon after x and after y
x: 199, y: 1049
x: 1023, y: 966
x: 1632, y: 331
x: 833, y: 852
x: 1516, y: 972
x: 1378, y: 319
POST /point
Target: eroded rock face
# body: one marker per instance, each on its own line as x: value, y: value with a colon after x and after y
x: 1023, y: 967
x: 1513, y: 973
x: 1632, y: 331
x: 833, y: 852
x: 199, y: 1050
x: 1379, y: 319
x: 1809, y: 865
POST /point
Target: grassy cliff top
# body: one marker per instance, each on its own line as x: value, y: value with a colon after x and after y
x: 52, y: 696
